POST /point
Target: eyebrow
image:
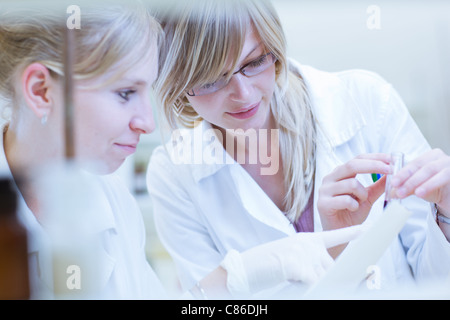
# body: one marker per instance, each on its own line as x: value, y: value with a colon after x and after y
x: 134, y: 82
x: 253, y: 50
x: 248, y: 54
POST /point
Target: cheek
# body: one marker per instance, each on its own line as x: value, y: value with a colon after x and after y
x: 91, y: 123
x: 206, y: 107
x: 268, y: 83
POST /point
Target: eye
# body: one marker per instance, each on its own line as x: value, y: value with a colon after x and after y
x: 208, y: 85
x: 125, y: 94
x: 258, y: 62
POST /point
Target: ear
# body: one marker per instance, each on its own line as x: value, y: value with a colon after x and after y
x: 37, y: 86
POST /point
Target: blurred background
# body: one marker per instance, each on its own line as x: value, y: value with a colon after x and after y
x: 407, y: 42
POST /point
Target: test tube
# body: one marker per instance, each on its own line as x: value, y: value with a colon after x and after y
x: 396, y: 163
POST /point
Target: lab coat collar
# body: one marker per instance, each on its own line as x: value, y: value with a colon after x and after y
x: 332, y: 105
x: 214, y: 155
x: 257, y: 203
x: 83, y: 198
x: 199, y: 148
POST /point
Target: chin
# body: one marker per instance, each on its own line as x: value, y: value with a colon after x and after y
x: 256, y: 123
x: 101, y: 167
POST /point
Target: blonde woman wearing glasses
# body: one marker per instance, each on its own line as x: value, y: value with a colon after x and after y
x: 216, y: 195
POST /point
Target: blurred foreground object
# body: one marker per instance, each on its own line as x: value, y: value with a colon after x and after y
x: 72, y: 202
x: 14, y: 279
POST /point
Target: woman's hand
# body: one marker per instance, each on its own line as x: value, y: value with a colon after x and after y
x: 301, y: 257
x: 343, y: 200
x: 427, y: 177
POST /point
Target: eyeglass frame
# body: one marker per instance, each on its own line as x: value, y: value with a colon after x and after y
x: 241, y: 71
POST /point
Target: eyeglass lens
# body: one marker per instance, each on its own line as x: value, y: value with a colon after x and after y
x: 252, y: 68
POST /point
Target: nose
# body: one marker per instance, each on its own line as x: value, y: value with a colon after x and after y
x: 240, y: 88
x: 143, y: 122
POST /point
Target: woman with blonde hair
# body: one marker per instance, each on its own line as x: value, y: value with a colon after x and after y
x: 263, y: 149
x: 115, y: 65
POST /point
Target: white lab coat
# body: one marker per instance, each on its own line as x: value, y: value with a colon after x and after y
x: 125, y: 272
x: 204, y: 210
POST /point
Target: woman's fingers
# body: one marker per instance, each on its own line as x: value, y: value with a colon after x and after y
x: 348, y: 193
x: 368, y: 163
x: 349, y: 186
x: 424, y: 175
x: 343, y: 202
x: 436, y: 182
x: 420, y: 177
x: 352, y: 201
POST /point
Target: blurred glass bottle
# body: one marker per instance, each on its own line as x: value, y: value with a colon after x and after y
x: 14, y: 277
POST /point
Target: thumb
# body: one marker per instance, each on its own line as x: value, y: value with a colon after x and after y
x: 336, y: 237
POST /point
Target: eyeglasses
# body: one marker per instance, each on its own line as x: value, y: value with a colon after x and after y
x: 250, y: 69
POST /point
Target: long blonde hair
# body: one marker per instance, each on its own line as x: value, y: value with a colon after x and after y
x: 107, y: 36
x: 201, y: 36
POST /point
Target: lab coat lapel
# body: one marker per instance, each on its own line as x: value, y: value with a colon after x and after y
x: 201, y: 149
x: 257, y: 203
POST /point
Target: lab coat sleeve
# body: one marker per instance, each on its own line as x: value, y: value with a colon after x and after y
x: 180, y: 226
x: 427, y: 250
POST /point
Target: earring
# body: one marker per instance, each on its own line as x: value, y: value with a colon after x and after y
x: 178, y: 107
x: 44, y: 119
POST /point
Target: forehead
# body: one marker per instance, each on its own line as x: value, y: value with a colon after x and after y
x: 252, y: 42
x: 142, y: 61
x: 147, y: 67
x: 142, y: 70
x: 251, y: 47
x: 223, y: 48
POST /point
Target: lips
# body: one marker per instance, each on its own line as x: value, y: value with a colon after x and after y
x: 127, y: 148
x: 245, y: 113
